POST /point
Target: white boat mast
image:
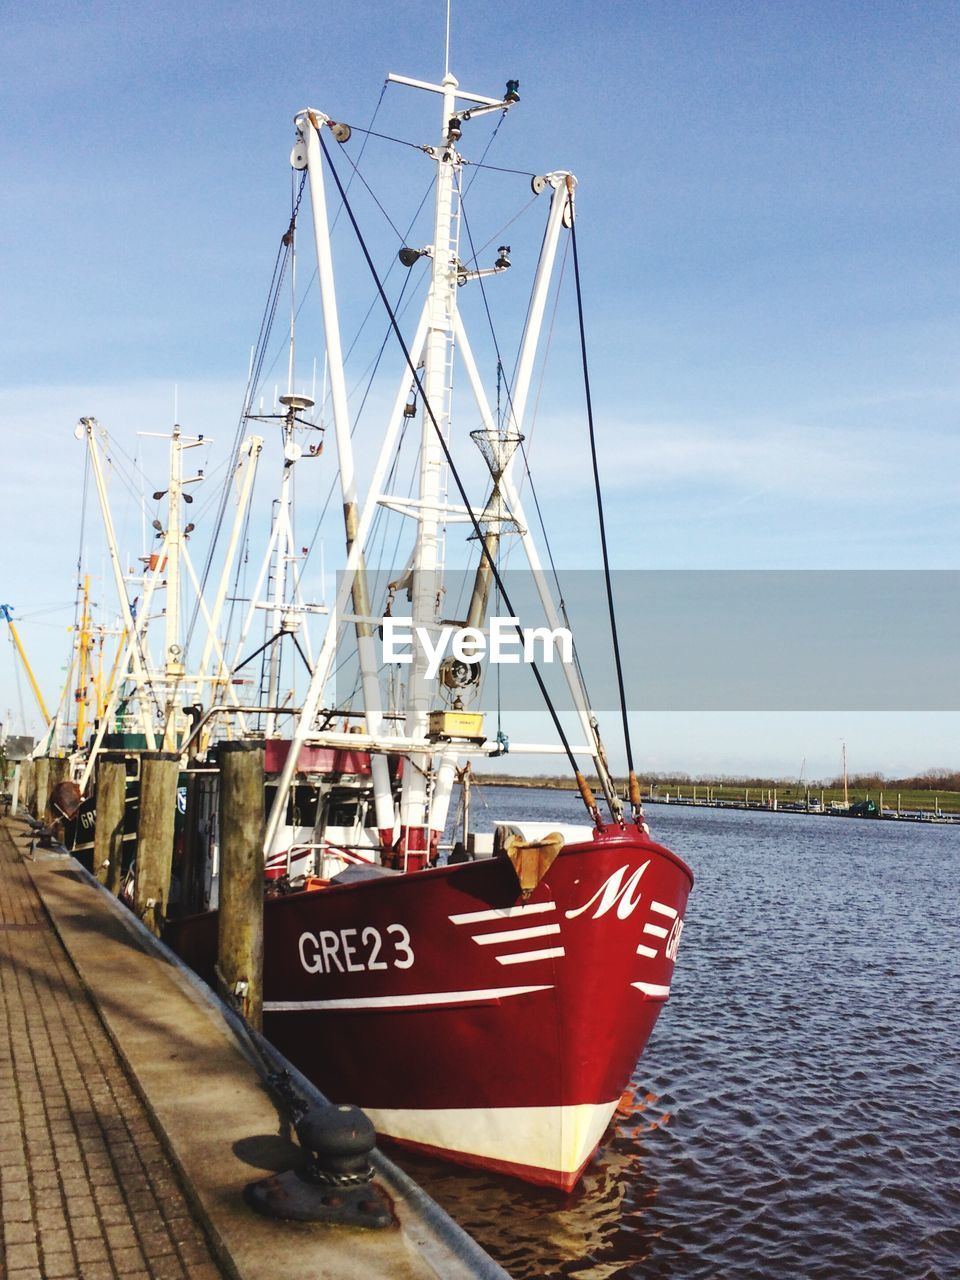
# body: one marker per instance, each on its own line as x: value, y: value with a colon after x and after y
x: 248, y: 460
x: 307, y: 155
x: 87, y: 429
x: 175, y: 536
x: 437, y: 384
x: 440, y: 330
x: 280, y: 619
x: 132, y: 641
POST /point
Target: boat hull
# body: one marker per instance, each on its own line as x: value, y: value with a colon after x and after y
x: 466, y: 1021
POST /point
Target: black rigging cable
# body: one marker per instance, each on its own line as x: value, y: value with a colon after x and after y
x: 336, y: 219
x: 501, y: 374
x: 508, y: 389
x: 419, y: 146
x: 584, y: 788
x: 615, y: 637
x: 253, y: 382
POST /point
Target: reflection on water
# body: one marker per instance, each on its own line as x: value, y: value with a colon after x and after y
x: 797, y: 1111
x: 537, y: 1231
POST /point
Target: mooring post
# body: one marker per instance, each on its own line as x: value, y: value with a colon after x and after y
x: 58, y: 770
x: 241, y: 820
x: 159, y: 771
x: 23, y: 796
x: 191, y: 865
x: 41, y: 775
x: 111, y: 814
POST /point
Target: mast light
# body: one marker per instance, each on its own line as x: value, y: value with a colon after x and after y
x: 409, y: 256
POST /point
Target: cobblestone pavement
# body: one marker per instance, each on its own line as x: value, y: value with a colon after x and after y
x: 86, y: 1190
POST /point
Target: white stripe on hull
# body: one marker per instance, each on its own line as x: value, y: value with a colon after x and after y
x: 524, y: 957
x: 503, y: 913
x: 422, y: 1000
x: 554, y: 1139
x: 516, y: 935
x: 663, y: 910
x: 653, y: 989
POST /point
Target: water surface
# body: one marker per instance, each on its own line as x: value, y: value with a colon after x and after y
x: 797, y: 1111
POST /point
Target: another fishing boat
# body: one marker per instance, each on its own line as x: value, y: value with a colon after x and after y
x: 490, y: 1010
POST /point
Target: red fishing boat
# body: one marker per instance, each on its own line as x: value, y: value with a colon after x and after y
x: 490, y: 1010
x: 468, y: 1020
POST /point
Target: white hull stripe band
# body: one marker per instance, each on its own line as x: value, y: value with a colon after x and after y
x: 425, y: 1000
x: 648, y: 988
x: 558, y: 1139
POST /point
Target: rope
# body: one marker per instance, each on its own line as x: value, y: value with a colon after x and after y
x: 376, y: 364
x: 336, y: 218
x: 603, y: 528
x: 502, y: 379
x: 447, y: 454
x: 253, y: 382
x: 419, y: 146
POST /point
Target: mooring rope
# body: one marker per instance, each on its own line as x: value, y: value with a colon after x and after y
x: 615, y: 636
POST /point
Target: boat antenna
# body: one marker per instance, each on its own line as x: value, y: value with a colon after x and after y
x: 446, y: 54
x: 635, y: 801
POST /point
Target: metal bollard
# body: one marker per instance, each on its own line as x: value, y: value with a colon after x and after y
x: 335, y: 1184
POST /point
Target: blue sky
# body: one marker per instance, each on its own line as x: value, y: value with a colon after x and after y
x: 768, y: 232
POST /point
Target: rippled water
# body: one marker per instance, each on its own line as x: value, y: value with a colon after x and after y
x: 797, y: 1111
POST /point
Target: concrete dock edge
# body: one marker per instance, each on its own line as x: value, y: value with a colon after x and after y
x: 219, y: 1123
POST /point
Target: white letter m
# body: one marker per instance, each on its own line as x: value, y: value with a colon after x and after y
x: 614, y: 891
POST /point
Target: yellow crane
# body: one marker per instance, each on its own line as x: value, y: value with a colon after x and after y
x: 7, y: 611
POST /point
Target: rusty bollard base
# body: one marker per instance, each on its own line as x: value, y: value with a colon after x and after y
x: 336, y: 1185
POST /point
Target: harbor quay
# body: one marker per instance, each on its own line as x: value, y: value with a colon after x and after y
x: 133, y: 1118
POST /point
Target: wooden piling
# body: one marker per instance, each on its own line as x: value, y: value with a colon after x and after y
x: 111, y: 813
x: 192, y: 865
x: 58, y: 770
x: 41, y: 776
x: 159, y: 771
x: 25, y: 788
x: 240, y: 928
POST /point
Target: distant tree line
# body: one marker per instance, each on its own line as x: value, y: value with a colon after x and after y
x: 928, y: 780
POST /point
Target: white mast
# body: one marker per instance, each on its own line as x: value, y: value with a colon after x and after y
x: 325, y: 659
x: 284, y: 552
x: 307, y: 154
x: 131, y: 642
x: 249, y: 456
x: 846, y: 792
x: 173, y: 667
x: 280, y: 620
x: 504, y: 454
x: 434, y: 347
x: 172, y: 655
x: 435, y: 421
x: 437, y: 382
x: 87, y: 428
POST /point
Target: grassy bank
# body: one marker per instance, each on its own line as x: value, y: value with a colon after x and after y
x: 758, y: 791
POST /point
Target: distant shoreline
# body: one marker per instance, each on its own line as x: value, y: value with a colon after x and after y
x: 771, y: 795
